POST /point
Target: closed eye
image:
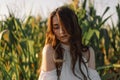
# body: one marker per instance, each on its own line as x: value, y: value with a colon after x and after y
x: 56, y: 26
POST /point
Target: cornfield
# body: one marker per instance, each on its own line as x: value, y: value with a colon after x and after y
x: 21, y: 43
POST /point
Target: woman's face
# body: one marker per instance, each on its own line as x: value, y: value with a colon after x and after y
x: 60, y: 32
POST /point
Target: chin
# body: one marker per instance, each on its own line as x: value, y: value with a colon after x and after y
x: 64, y: 41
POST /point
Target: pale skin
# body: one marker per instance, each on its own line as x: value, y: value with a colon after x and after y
x: 48, y: 51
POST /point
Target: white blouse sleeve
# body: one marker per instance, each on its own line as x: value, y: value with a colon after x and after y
x: 93, y: 74
x: 49, y: 75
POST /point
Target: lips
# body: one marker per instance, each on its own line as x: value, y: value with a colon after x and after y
x: 63, y: 36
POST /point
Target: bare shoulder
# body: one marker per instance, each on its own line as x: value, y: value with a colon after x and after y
x: 90, y: 56
x: 48, y: 50
x: 91, y: 50
x: 91, y: 62
x: 47, y: 58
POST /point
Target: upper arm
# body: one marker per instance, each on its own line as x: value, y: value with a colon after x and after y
x: 91, y: 62
x: 47, y: 58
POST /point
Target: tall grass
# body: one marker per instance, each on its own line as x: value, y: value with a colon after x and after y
x: 21, y: 43
x: 104, y: 39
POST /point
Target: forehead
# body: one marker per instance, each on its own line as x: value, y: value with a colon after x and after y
x: 55, y: 20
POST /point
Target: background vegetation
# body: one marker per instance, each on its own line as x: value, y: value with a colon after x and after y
x: 21, y: 43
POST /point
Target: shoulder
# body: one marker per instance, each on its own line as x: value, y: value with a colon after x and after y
x: 89, y: 55
x: 88, y: 52
x: 91, y: 62
x: 47, y: 58
x: 91, y: 50
x: 48, y: 50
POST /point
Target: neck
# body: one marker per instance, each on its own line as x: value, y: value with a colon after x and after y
x: 65, y: 46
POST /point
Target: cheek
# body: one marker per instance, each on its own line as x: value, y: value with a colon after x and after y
x: 56, y: 32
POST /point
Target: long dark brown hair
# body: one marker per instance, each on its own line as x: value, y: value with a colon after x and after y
x: 69, y: 20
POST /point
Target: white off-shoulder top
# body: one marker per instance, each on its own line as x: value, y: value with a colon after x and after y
x: 66, y: 72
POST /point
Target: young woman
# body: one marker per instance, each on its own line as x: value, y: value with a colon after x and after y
x: 64, y: 57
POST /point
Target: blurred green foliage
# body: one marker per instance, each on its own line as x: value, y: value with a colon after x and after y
x: 20, y: 45
x: 104, y: 39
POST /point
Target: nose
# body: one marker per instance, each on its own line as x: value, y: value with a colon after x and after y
x: 62, y: 31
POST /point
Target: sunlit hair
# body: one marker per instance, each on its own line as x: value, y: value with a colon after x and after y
x: 68, y: 19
